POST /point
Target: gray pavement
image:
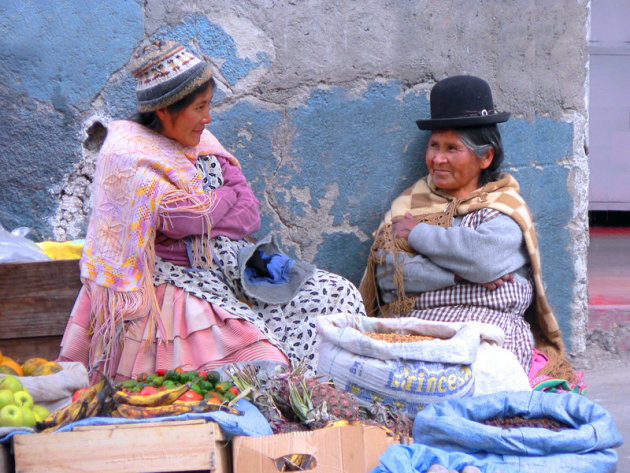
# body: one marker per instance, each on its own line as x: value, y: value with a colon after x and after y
x: 608, y: 384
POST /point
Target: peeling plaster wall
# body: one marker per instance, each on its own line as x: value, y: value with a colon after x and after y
x: 318, y: 99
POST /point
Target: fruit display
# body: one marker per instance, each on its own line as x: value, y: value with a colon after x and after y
x: 166, y: 393
x: 202, y: 385
x: 17, y: 408
x: 291, y: 401
x: 35, y: 366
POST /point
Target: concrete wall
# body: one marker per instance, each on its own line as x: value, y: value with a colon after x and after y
x: 318, y: 99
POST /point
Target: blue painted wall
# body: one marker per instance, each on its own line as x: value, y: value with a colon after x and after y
x: 61, y: 67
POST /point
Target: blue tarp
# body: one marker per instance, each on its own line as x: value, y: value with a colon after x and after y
x: 252, y: 423
x: 452, y: 434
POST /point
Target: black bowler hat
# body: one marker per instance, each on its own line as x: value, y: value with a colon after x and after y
x: 459, y: 102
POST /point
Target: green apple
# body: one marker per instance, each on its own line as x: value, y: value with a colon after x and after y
x: 41, y: 412
x: 23, y: 399
x: 11, y: 415
x: 6, y: 397
x: 11, y: 382
x: 28, y: 416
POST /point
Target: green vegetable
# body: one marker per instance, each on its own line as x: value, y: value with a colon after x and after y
x: 223, y: 386
x: 172, y: 375
x: 214, y: 377
x: 169, y: 383
x: 206, y: 385
x: 128, y: 383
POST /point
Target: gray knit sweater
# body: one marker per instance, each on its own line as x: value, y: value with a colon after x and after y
x: 479, y: 255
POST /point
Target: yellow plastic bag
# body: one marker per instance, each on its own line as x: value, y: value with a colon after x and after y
x: 62, y: 249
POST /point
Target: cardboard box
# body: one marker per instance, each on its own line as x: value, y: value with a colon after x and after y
x: 190, y: 445
x: 348, y: 449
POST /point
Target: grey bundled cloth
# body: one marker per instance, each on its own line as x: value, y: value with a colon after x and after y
x: 262, y: 282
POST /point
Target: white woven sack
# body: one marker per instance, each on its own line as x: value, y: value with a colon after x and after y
x: 410, y: 374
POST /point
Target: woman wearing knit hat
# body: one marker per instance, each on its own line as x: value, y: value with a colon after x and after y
x: 163, y: 266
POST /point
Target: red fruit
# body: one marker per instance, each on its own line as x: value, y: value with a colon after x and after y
x: 161, y: 372
x: 190, y: 395
x: 234, y: 390
x: 204, y: 374
x: 77, y: 393
x: 148, y: 390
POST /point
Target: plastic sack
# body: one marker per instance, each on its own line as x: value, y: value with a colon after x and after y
x: 55, y: 391
x: 62, y: 250
x: 455, y: 426
x: 416, y: 458
x: 497, y: 369
x: 408, y: 375
x: 16, y: 248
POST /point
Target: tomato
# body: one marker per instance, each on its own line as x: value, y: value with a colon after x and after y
x: 161, y: 372
x: 148, y: 390
x: 233, y: 390
x: 77, y: 393
x: 203, y: 374
x: 190, y: 395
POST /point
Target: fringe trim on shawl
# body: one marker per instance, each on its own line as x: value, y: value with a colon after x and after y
x: 113, y: 312
x: 385, y: 240
x: 200, y: 243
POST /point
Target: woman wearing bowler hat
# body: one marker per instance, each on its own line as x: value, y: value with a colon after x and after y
x: 459, y: 245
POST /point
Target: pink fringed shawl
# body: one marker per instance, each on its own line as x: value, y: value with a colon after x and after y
x: 138, y: 172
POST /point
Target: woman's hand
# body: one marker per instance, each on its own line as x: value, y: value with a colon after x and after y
x: 497, y: 283
x: 402, y: 226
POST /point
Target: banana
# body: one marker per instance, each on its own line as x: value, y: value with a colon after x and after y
x: 205, y: 406
x: 162, y: 398
x: 85, y: 406
x: 99, y: 403
x: 60, y: 415
x: 65, y: 416
x: 137, y: 412
x: 210, y: 407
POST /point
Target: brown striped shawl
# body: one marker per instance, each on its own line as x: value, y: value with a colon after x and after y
x: 424, y: 201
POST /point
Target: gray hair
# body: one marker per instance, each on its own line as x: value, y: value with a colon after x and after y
x: 480, y: 140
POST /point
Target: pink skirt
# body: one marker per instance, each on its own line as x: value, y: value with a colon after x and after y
x: 200, y: 336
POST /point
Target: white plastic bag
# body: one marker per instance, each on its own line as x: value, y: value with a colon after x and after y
x: 16, y: 248
x: 497, y: 369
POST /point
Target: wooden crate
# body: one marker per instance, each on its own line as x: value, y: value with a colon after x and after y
x: 191, y: 445
x: 6, y: 459
x: 36, y: 299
